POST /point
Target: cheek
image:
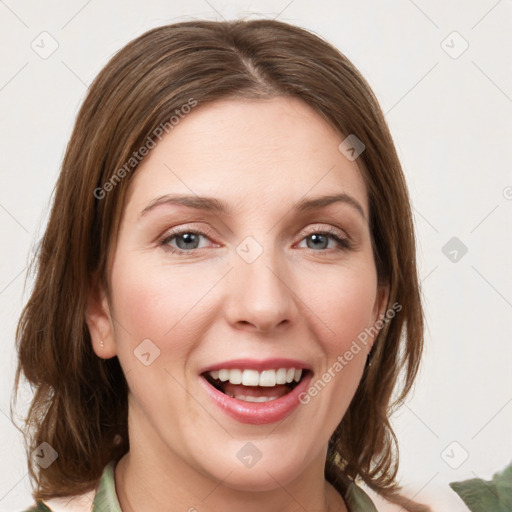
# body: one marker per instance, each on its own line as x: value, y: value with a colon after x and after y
x: 345, y: 302
x: 345, y: 305
x: 152, y: 301
x: 157, y: 312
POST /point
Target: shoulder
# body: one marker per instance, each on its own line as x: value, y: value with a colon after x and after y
x: 482, y: 495
x: 435, y: 497
x: 103, y: 498
x: 38, y: 507
x: 80, y: 503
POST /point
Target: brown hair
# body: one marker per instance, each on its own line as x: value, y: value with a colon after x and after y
x: 80, y: 401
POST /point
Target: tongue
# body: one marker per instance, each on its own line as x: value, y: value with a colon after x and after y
x: 239, y: 389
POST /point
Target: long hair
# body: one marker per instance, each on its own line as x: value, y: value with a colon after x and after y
x: 80, y: 400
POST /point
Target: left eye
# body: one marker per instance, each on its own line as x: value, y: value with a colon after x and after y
x: 320, y: 240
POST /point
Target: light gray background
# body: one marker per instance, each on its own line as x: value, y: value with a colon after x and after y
x: 451, y: 119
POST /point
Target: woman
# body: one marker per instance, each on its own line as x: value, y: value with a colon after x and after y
x: 226, y: 291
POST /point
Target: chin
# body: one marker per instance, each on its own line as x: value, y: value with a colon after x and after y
x: 263, y: 478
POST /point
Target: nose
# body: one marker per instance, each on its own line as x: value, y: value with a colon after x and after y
x: 260, y: 296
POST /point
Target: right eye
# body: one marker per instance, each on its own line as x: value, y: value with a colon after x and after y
x: 183, y: 240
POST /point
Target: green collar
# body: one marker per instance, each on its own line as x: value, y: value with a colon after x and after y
x: 106, y: 497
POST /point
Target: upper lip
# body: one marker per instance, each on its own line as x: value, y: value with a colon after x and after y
x: 259, y: 365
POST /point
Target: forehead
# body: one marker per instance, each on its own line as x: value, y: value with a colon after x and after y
x: 263, y: 152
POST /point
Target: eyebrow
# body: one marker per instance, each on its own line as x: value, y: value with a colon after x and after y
x: 211, y: 204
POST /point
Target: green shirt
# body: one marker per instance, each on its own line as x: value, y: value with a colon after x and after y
x: 105, y: 499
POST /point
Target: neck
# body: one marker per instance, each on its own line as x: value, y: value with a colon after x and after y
x: 145, y: 484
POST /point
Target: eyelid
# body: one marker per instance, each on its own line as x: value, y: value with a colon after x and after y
x: 324, y: 229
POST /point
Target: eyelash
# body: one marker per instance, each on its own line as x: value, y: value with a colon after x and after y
x: 345, y: 243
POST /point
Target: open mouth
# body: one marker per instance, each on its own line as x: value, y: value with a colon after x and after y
x: 254, y: 386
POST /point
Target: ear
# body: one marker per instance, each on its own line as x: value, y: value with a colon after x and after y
x: 100, y: 321
x: 381, y: 301
x: 379, y: 309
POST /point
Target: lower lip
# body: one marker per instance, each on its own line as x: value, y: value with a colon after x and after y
x: 258, y: 413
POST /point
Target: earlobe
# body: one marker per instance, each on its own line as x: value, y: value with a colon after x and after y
x: 99, y: 321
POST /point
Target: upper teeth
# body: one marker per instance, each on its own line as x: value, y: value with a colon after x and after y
x: 266, y: 378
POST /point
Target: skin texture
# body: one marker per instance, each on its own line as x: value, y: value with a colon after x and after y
x: 209, y: 305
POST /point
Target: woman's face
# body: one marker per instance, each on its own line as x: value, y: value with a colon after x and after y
x: 231, y: 265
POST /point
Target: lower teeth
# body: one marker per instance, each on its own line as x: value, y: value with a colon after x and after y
x: 253, y: 398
